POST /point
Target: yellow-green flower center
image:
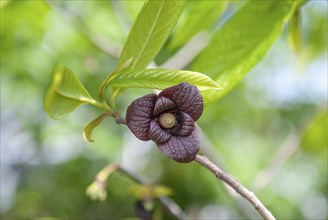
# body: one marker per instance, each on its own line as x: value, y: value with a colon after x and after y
x: 167, y: 120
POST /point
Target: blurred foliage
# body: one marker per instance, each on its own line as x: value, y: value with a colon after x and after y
x: 46, y: 166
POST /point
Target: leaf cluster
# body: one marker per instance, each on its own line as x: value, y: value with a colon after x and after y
x: 232, y: 51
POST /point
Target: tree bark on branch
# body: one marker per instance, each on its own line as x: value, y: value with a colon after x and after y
x: 233, y: 183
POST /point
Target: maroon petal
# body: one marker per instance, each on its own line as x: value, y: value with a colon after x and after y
x: 163, y: 104
x: 185, y: 127
x: 138, y: 116
x: 182, y: 149
x: 157, y: 134
x: 187, y: 97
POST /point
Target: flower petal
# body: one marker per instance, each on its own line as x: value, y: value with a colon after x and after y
x: 157, y: 134
x: 182, y: 149
x: 138, y: 116
x: 187, y: 97
x: 185, y: 126
x: 163, y: 104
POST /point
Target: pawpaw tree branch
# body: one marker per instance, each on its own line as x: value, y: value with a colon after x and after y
x: 233, y: 183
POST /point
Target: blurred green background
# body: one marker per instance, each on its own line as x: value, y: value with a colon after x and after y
x: 270, y: 132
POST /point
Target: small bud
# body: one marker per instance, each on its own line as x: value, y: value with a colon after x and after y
x: 96, y: 191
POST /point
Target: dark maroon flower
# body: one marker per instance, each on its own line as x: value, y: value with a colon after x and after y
x: 142, y: 211
x: 168, y: 119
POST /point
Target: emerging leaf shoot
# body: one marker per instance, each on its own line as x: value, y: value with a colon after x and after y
x: 65, y: 93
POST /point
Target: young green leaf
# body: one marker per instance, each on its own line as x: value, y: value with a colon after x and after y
x: 149, y: 32
x: 3, y: 3
x: 202, y: 15
x: 242, y: 42
x: 88, y: 129
x: 161, y: 79
x: 65, y: 93
x: 294, y: 32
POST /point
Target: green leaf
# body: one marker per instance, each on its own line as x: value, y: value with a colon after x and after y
x: 87, y: 130
x: 242, y: 42
x: 149, y: 32
x: 201, y: 16
x: 65, y: 93
x: 294, y: 32
x: 162, y: 78
x: 3, y: 3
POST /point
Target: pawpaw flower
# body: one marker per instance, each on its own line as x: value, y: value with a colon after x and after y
x: 168, y: 120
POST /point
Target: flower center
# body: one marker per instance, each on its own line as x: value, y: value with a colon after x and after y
x: 167, y: 120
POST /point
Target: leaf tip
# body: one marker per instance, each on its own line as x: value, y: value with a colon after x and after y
x: 87, y: 137
x: 88, y: 129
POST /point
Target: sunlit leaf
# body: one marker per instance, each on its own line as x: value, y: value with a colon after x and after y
x: 88, y: 129
x: 3, y: 3
x: 242, y: 42
x: 162, y: 78
x: 294, y: 32
x: 201, y: 15
x: 149, y: 32
x: 65, y: 93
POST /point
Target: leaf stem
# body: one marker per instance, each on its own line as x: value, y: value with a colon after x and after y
x: 103, y: 87
x: 105, y: 83
x: 102, y: 105
x: 233, y: 183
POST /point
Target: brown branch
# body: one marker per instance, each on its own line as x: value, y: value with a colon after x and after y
x: 240, y: 202
x: 233, y: 183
